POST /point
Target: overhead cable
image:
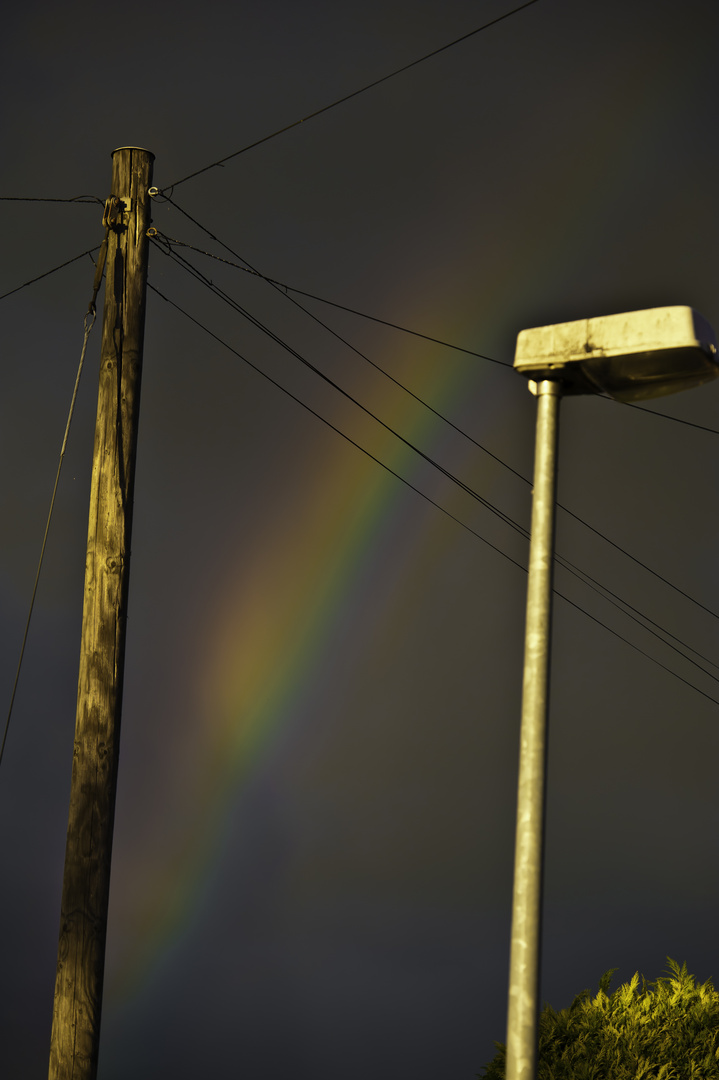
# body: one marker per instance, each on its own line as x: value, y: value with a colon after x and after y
x: 414, y: 333
x: 329, y: 424
x: 81, y: 199
x: 621, y: 605
x: 631, y: 643
x: 89, y: 322
x: 47, y: 273
x: 581, y: 575
x: 323, y: 300
x: 664, y: 416
x: 331, y: 382
x: 281, y: 286
x: 347, y: 97
x: 426, y: 497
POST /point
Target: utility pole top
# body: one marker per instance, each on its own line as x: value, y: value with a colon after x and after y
x: 140, y: 148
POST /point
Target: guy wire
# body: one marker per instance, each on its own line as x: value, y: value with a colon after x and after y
x: 89, y: 322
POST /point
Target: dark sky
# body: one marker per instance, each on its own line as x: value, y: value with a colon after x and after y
x: 315, y: 816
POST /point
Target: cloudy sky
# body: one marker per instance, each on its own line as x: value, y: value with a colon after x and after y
x: 315, y: 814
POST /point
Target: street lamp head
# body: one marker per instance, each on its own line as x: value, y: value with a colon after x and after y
x: 641, y: 354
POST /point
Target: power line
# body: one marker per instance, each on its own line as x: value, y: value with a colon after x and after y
x: 405, y: 330
x: 426, y: 337
x: 631, y: 643
x: 81, y: 199
x: 242, y: 311
x: 323, y: 300
x: 664, y: 416
x: 621, y: 605
x: 446, y: 344
x: 280, y: 286
x: 642, y: 614
x: 89, y: 323
x: 394, y: 326
x: 347, y: 97
x: 426, y: 497
x: 199, y: 276
x: 581, y: 575
x: 329, y: 424
x: 215, y: 289
x: 638, y: 561
x: 47, y: 273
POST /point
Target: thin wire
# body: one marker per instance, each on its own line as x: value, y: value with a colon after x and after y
x: 621, y: 605
x: 47, y: 273
x: 638, y: 561
x: 330, y: 425
x: 416, y: 333
x: 89, y: 323
x: 331, y: 303
x: 279, y: 286
x: 199, y: 276
x: 581, y: 575
x: 420, y: 492
x: 663, y: 416
x: 628, y: 642
x: 347, y: 97
x: 394, y: 326
x: 626, y: 604
x: 92, y: 199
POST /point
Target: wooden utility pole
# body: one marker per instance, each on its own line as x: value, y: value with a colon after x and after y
x: 86, y: 883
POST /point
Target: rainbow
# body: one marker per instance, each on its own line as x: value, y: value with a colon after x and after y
x: 266, y: 634
x: 265, y: 637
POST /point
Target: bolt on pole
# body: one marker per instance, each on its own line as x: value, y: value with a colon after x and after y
x: 86, y: 882
x: 528, y: 857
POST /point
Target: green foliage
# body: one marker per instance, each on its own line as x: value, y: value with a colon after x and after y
x: 665, y: 1030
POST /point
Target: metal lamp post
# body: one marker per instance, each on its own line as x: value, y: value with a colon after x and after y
x: 638, y: 355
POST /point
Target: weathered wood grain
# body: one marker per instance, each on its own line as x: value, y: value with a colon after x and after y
x: 83, y: 920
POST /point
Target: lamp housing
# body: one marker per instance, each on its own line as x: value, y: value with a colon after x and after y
x: 640, y: 354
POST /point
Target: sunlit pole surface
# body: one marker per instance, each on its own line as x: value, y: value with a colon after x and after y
x: 631, y: 357
x: 77, y: 1006
x: 527, y: 897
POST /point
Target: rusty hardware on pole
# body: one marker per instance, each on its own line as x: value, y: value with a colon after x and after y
x: 117, y: 210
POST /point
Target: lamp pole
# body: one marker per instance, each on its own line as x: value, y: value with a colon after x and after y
x: 630, y: 357
x: 528, y: 857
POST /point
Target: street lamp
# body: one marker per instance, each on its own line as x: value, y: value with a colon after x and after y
x: 641, y: 354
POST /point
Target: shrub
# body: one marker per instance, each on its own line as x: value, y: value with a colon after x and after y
x: 665, y: 1030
